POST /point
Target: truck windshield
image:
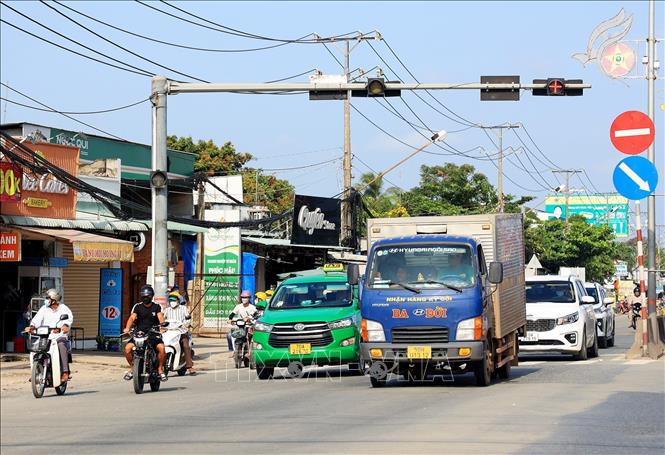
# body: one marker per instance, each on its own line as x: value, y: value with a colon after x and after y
x: 550, y: 291
x: 312, y: 295
x: 435, y: 266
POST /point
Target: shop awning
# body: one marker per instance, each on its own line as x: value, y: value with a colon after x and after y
x: 87, y: 247
x: 81, y: 223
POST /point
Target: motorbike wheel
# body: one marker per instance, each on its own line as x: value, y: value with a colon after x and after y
x: 182, y: 371
x: 60, y: 390
x: 237, y: 356
x: 38, y: 380
x: 154, y: 385
x: 137, y: 371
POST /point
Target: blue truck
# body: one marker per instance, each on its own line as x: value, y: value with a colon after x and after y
x: 442, y: 296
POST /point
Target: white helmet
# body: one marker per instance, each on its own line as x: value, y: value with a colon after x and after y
x: 53, y: 294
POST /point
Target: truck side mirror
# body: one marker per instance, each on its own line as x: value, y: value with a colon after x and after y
x: 352, y: 274
x: 496, y: 272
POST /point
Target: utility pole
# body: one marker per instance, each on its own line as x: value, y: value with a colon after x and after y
x: 256, y: 188
x: 500, y: 161
x: 159, y: 189
x: 655, y: 348
x: 198, y: 272
x: 567, y: 185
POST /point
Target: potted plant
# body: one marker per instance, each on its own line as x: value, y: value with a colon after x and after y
x: 101, y: 343
x: 113, y: 344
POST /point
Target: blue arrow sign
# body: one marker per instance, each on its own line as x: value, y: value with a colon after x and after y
x: 635, y: 177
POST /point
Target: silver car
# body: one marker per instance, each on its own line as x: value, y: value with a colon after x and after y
x: 604, y: 314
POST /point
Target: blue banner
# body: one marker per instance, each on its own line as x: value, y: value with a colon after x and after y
x: 110, y: 302
x: 189, y: 259
x: 248, y: 274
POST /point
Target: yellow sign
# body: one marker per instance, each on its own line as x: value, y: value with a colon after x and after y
x: 333, y: 267
x: 103, y: 252
x: 38, y: 203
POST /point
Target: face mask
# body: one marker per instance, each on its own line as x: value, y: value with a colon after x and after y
x: 146, y: 299
x: 244, y: 301
x: 173, y: 303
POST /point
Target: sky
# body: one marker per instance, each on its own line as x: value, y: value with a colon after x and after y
x: 451, y: 42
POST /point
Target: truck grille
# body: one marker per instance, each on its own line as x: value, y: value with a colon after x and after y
x: 315, y: 333
x: 540, y: 325
x: 420, y: 335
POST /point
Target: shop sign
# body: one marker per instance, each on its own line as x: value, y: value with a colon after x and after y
x: 316, y: 221
x: 44, y: 195
x: 10, y: 246
x: 103, y: 252
x: 110, y: 302
x: 10, y: 182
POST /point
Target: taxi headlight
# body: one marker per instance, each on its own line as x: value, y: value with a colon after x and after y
x: 262, y: 327
x: 346, y: 322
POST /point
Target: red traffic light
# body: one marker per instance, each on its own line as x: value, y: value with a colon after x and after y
x: 556, y: 87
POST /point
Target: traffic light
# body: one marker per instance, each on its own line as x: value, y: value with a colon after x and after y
x: 376, y: 86
x: 557, y: 87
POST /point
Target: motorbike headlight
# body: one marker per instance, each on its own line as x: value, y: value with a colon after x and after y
x: 373, y: 331
x: 568, y: 319
x: 346, y: 322
x: 139, y: 341
x: 262, y: 327
x: 42, y: 330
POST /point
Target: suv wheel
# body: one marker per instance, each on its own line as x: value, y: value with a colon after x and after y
x: 593, y: 350
x: 582, y: 354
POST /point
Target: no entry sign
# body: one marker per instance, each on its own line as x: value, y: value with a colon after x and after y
x: 632, y: 132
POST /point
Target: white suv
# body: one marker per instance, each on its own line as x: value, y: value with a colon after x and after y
x: 604, y: 314
x: 560, y: 317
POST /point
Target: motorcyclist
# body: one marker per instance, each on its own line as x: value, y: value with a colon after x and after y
x: 49, y: 315
x: 244, y: 310
x: 260, y: 297
x: 145, y: 315
x: 178, y: 313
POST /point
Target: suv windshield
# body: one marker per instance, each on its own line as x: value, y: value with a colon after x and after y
x: 434, y: 266
x: 312, y: 295
x: 592, y: 292
x: 549, y: 291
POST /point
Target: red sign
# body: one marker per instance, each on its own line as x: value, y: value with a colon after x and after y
x: 10, y: 246
x: 10, y: 182
x: 632, y: 132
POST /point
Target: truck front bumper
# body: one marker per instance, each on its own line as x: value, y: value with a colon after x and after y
x: 393, y: 353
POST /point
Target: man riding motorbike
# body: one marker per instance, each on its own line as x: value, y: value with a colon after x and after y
x: 244, y: 310
x: 146, y: 314
x: 49, y: 315
x: 178, y: 313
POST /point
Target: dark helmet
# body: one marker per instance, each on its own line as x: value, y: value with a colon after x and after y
x: 147, y: 293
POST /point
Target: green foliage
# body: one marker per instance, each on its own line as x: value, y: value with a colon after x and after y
x: 276, y: 194
x: 577, y: 245
x: 210, y: 158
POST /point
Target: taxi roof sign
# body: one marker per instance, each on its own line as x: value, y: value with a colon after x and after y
x: 333, y: 267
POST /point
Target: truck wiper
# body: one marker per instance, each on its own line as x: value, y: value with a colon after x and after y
x: 403, y: 285
x: 453, y: 288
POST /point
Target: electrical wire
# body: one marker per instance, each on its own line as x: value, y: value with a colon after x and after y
x: 103, y: 111
x: 376, y: 172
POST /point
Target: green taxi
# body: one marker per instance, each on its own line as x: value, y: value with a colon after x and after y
x: 310, y: 320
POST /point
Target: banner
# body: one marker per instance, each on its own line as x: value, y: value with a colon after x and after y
x: 10, y: 246
x: 316, y: 221
x: 597, y: 209
x: 10, y: 182
x: 103, y: 252
x: 221, y: 265
x: 110, y: 302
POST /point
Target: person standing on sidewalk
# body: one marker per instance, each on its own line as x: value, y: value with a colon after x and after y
x: 178, y: 313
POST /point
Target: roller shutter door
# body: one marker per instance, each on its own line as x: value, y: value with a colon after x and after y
x: 81, y: 292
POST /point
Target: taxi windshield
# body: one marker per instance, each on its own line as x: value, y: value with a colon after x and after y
x: 436, y: 266
x: 312, y: 295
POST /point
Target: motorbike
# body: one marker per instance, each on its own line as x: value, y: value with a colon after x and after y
x: 242, y: 334
x: 637, y: 314
x: 622, y: 307
x: 145, y: 364
x: 175, y: 357
x: 45, y: 360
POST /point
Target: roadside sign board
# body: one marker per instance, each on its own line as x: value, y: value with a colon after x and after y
x: 632, y: 132
x: 597, y: 209
x: 635, y: 177
x: 110, y: 302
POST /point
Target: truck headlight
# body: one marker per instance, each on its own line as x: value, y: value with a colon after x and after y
x: 262, y: 327
x: 470, y: 329
x: 346, y: 322
x: 568, y: 319
x: 372, y: 331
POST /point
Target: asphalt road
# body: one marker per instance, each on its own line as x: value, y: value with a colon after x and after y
x: 551, y: 405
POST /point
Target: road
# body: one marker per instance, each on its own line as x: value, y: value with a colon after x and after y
x: 552, y: 404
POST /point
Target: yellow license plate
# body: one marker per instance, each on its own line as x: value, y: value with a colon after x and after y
x: 419, y: 352
x: 300, y: 348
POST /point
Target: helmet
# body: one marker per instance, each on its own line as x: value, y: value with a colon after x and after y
x: 261, y: 295
x: 174, y: 296
x: 147, y: 292
x: 245, y: 294
x: 53, y: 294
x: 270, y: 292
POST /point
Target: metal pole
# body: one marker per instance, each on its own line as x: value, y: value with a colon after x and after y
x: 199, y: 284
x: 346, y: 162
x: 500, y: 167
x: 651, y: 201
x: 256, y: 187
x: 159, y: 195
x: 640, y: 273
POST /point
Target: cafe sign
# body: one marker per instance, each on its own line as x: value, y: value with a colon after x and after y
x: 10, y: 246
x: 316, y: 221
x: 41, y: 195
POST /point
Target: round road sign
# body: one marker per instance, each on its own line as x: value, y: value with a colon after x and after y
x: 632, y: 132
x: 617, y: 60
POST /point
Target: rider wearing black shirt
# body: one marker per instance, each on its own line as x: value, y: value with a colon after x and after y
x: 145, y: 315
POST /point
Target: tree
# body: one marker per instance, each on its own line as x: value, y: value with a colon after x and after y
x: 578, y: 244
x: 210, y: 158
x: 276, y: 194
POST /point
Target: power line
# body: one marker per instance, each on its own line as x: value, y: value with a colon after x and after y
x: 104, y: 111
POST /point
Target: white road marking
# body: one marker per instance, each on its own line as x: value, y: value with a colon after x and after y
x: 632, y: 132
